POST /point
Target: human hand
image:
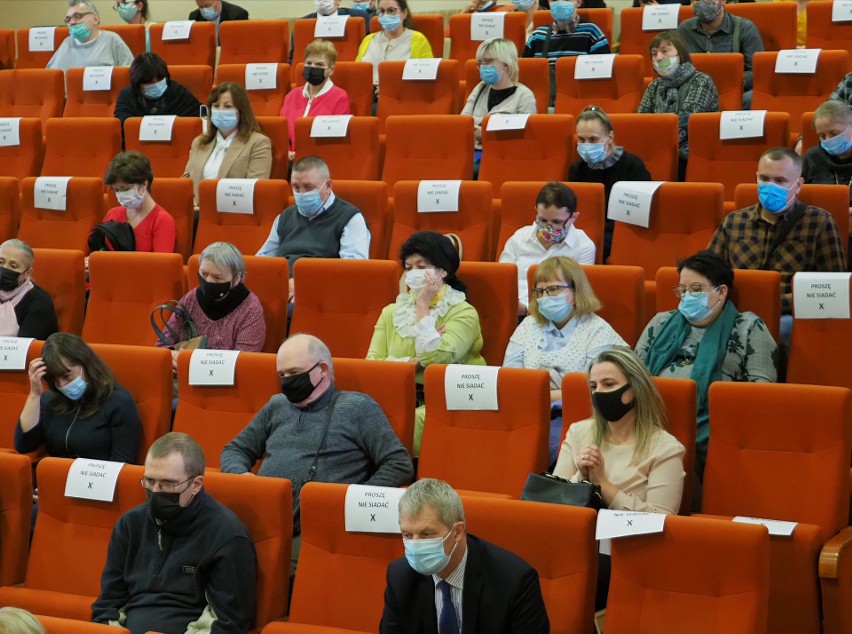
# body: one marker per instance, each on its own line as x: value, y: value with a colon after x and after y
x: 798, y: 147
x: 430, y: 288
x: 590, y: 462
x: 291, y: 291
x: 175, y: 354
x: 37, y: 372
x: 291, y: 155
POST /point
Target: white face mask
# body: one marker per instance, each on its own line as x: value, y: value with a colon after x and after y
x: 324, y: 7
x: 415, y: 279
x: 130, y: 199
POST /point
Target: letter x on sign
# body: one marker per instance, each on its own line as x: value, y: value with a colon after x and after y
x: 372, y: 517
x: 630, y: 522
x: 211, y: 372
x: 90, y: 484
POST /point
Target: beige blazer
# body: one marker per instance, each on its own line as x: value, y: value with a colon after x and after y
x: 243, y: 159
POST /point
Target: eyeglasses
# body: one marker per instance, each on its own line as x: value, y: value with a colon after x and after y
x: 391, y: 11
x: 692, y: 289
x: 120, y: 4
x: 551, y: 291
x: 76, y: 17
x: 546, y: 224
x: 166, y: 486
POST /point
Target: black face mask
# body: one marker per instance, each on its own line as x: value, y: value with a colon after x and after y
x: 213, y: 291
x: 164, y: 506
x: 314, y: 75
x: 609, y: 404
x: 9, y: 279
x: 298, y: 387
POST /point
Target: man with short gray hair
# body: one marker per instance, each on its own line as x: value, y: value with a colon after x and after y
x: 450, y: 581
x: 87, y: 44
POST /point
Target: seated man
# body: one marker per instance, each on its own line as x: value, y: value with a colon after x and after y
x: 450, y: 581
x: 181, y: 561
x: 87, y: 44
x: 552, y: 233
x: 319, y: 225
x: 332, y: 7
x: 217, y: 11
x: 714, y: 30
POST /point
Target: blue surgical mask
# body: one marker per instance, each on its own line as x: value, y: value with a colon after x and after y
x: 155, y: 90
x: 837, y: 145
x: 486, y: 6
x: 489, y: 74
x: 74, y: 389
x: 694, y: 307
x: 523, y: 5
x: 80, y: 32
x: 562, y: 10
x: 592, y: 152
x: 127, y: 11
x: 554, y: 308
x: 390, y: 22
x: 224, y: 119
x: 773, y: 197
x: 427, y: 556
x: 309, y: 203
x: 361, y: 6
x: 209, y: 13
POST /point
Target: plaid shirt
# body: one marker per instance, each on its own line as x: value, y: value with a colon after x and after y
x: 843, y: 92
x: 813, y: 244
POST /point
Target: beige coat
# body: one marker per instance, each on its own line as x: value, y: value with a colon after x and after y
x: 243, y: 159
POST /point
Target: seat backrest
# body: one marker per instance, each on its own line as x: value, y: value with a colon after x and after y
x: 14, y: 388
x: 819, y: 352
x: 533, y: 72
x: 444, y: 149
x: 635, y: 40
x: 64, y: 155
x: 347, y: 46
x: 268, y: 279
x: 730, y: 595
x: 196, y: 78
x: 487, y: 450
x: 56, y: 625
x: 254, y: 41
x: 119, y: 311
x: 32, y: 93
x: 134, y: 35
x: 472, y: 223
x: 389, y: 383
x: 199, y: 48
x: 809, y: 135
x: 279, y: 135
x: 825, y: 33
x: 492, y: 289
x: 726, y: 70
x: 352, y: 157
x: 745, y: 461
x: 37, y: 59
x: 16, y: 503
x: 93, y: 103
x: 371, y: 197
x: 682, y: 220
x: 175, y: 195
x: 24, y: 159
x: 356, y: 78
x: 603, y: 17
x: 431, y: 25
x: 620, y: 93
x: 730, y: 161
x: 213, y: 415
x: 775, y: 21
x: 398, y: 96
x: 463, y: 48
x: 245, y: 231
x: 49, y: 229
x: 541, y: 151
x: 168, y: 158
x: 373, y: 284
x: 145, y: 372
x: 653, y: 137
x: 10, y: 207
x: 62, y: 273
x: 755, y: 291
x: 266, y: 102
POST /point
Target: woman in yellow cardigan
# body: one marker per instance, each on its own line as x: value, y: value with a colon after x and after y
x: 432, y: 322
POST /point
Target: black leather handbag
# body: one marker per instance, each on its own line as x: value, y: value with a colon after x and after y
x: 546, y: 487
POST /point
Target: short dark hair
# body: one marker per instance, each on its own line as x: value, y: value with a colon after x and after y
x: 712, y: 266
x: 63, y: 348
x: 131, y: 167
x: 558, y: 195
x: 674, y: 38
x: 144, y: 10
x: 780, y: 153
x: 146, y: 68
x: 438, y: 249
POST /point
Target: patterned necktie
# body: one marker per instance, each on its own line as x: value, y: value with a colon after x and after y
x: 448, y: 623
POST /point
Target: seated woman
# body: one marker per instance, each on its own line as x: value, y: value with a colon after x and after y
x: 130, y: 176
x: 85, y: 413
x: 135, y: 12
x: 397, y: 41
x: 707, y: 339
x: 562, y: 332
x: 223, y: 309
x: 679, y: 88
x: 602, y: 161
x: 233, y: 146
x: 432, y: 322
x: 319, y: 95
x: 26, y: 310
x: 152, y: 91
x: 499, y: 90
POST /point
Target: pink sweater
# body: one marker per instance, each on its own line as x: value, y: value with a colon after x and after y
x: 335, y: 101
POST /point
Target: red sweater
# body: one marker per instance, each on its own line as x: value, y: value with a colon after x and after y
x: 155, y: 233
x: 335, y: 101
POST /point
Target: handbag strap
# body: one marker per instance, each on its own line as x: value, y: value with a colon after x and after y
x: 180, y: 310
x: 312, y: 472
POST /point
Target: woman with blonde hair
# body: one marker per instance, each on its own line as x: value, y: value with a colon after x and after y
x: 18, y: 621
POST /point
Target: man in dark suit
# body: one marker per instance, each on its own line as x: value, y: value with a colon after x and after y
x: 450, y: 581
x: 217, y: 11
x: 332, y: 7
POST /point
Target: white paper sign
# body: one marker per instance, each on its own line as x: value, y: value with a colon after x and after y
x: 613, y: 524
x: 471, y: 387
x: 330, y: 26
x: 660, y: 17
x: 595, y: 66
x: 425, y: 68
x: 261, y: 76
x: 369, y: 509
x: 92, y: 479
x: 41, y: 38
x: 177, y: 29
x: 506, y: 122
x: 775, y: 527
x: 51, y: 192
x: 157, y: 127
x: 435, y: 196
x: 212, y: 367
x: 330, y: 126
x: 841, y: 11
x: 630, y: 201
x: 741, y: 124
x: 797, y: 60
x: 821, y: 295
x: 484, y: 26
x: 10, y: 131
x: 97, y: 78
x: 13, y: 352
x: 235, y: 195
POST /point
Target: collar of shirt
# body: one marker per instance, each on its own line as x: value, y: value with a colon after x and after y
x: 456, y: 578
x: 773, y: 219
x: 87, y: 44
x: 222, y: 142
x: 325, y: 206
x: 726, y: 27
x: 553, y: 335
x: 570, y: 241
x: 328, y: 86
